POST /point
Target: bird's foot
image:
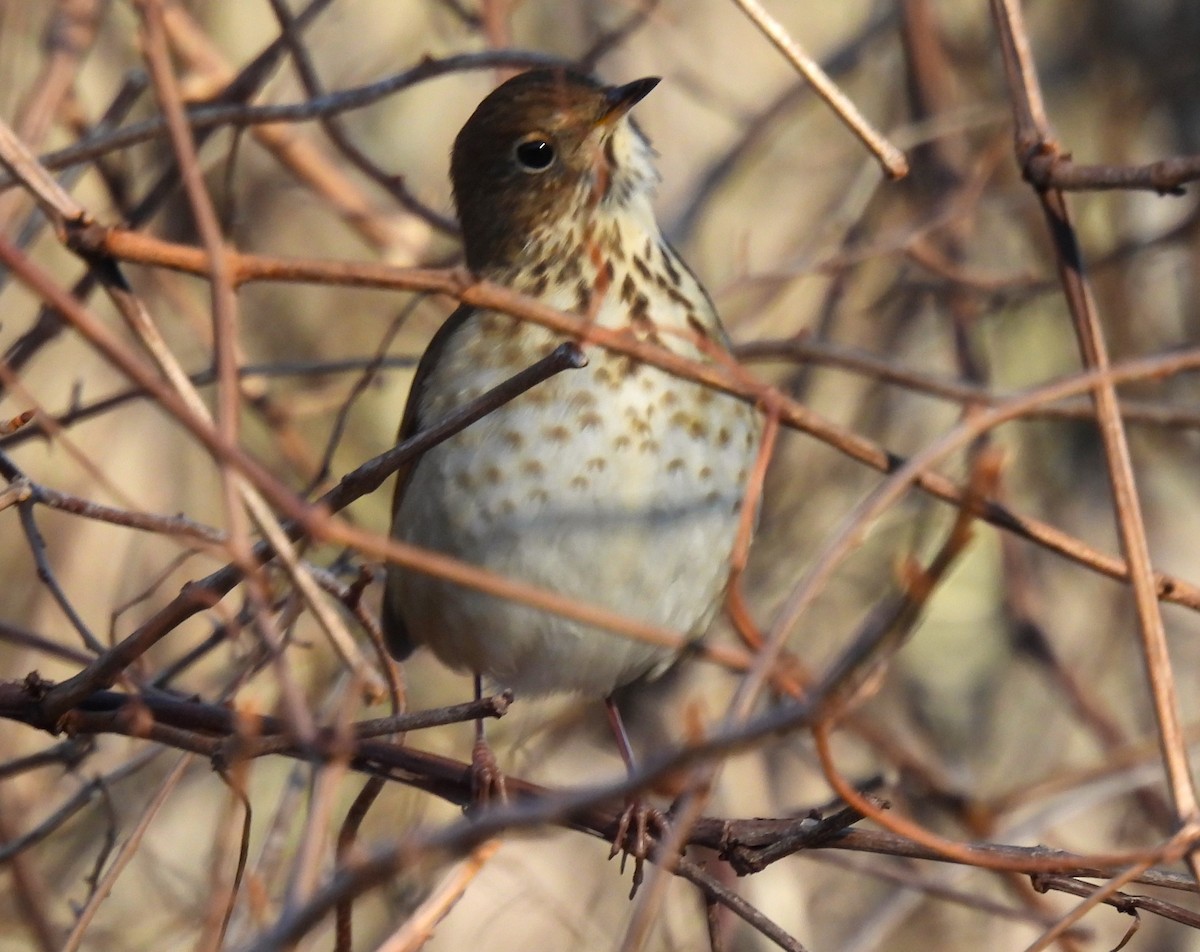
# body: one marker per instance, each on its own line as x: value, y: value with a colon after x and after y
x: 487, y: 780
x: 639, y: 828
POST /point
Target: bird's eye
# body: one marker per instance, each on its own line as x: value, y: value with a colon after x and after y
x: 534, y: 154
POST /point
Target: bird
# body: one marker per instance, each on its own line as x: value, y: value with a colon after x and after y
x: 616, y: 484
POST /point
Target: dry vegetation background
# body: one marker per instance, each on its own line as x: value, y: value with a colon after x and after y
x: 1017, y: 711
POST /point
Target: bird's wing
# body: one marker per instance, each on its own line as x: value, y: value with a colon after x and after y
x: 395, y: 632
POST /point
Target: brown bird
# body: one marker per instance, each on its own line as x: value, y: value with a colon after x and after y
x: 617, y: 484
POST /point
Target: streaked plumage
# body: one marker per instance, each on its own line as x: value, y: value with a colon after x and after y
x: 617, y: 484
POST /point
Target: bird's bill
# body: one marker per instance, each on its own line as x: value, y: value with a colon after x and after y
x: 620, y: 99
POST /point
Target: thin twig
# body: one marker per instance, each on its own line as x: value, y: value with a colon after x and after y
x: 483, y: 294
x: 1033, y: 135
x: 204, y: 117
x: 890, y: 158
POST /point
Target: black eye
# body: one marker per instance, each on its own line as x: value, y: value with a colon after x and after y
x: 535, y: 154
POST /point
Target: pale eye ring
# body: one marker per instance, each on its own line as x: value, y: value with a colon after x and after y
x: 534, y: 153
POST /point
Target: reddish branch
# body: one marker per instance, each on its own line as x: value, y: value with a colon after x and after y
x: 92, y: 240
x: 1032, y: 126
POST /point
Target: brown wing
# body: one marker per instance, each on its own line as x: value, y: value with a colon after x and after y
x: 395, y: 633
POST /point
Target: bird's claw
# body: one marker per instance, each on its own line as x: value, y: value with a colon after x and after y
x: 487, y: 780
x: 639, y: 828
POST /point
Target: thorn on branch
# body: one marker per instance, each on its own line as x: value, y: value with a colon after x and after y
x: 353, y: 595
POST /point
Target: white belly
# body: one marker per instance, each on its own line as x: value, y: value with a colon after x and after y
x: 616, y: 484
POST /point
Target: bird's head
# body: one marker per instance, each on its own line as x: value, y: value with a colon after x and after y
x: 547, y: 149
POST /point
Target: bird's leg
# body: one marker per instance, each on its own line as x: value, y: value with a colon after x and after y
x: 487, y: 781
x: 633, y: 837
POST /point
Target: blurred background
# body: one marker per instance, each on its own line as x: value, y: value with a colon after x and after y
x: 1018, y: 713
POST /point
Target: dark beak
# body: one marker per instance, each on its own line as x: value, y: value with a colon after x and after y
x: 620, y: 99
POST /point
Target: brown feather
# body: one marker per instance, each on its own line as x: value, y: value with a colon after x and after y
x: 394, y: 631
